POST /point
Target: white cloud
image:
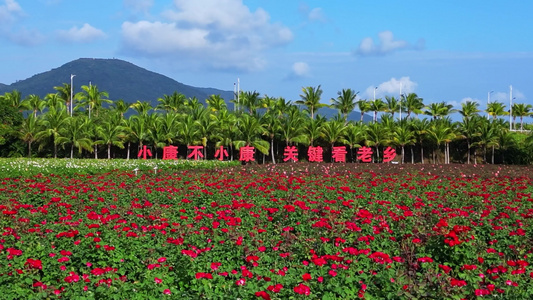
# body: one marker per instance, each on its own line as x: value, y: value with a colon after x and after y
x: 85, y: 34
x: 10, y: 11
x: 317, y: 15
x: 214, y: 33
x: 139, y: 5
x: 300, y: 69
x: 385, y: 45
x: 392, y: 87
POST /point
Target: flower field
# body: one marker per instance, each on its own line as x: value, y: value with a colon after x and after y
x: 300, y: 231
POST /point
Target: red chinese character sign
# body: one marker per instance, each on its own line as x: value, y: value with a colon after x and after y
x: 221, y: 153
x: 364, y: 154
x: 144, y: 152
x: 247, y: 154
x: 339, y: 154
x: 170, y: 152
x: 195, y: 152
x: 315, y: 154
x: 290, y: 153
x: 389, y: 154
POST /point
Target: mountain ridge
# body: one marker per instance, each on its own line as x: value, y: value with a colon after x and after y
x: 124, y: 80
x: 121, y: 79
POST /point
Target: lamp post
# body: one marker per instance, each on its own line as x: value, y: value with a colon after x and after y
x: 71, y: 92
x: 375, y: 93
x: 510, y: 107
x: 488, y: 100
x: 400, y: 101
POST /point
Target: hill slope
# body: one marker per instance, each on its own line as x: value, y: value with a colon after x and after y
x: 126, y: 81
x: 121, y: 79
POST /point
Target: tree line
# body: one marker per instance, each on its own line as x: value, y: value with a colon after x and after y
x: 94, y: 124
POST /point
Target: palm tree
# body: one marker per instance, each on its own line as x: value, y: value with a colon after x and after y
x: 54, y: 126
x: 225, y: 130
x: 439, y: 110
x: 271, y: 125
x: 53, y: 100
x: 188, y: 132
x: 421, y: 128
x: 14, y: 98
x: 111, y: 133
x: 413, y: 104
x: 496, y: 109
x: 376, y: 106
x: 312, y: 130
x: 354, y: 136
x: 345, y: 102
x: 469, y: 109
x: 215, y: 103
x: 506, y: 141
x: 142, y: 107
x: 250, y: 100
x: 268, y: 103
x: 393, y: 105
x: 169, y: 127
x: 172, y: 103
x: 139, y: 127
x: 94, y: 98
x: 157, y: 136
x: 290, y: 129
x: 402, y: 136
x: 34, y: 103
x: 129, y: 133
x: 487, y: 136
x: 76, y: 133
x: 469, y: 131
x: 311, y: 99
x: 521, y: 110
x: 120, y: 107
x: 364, y: 107
x: 441, y: 131
x: 250, y: 134
x: 29, y: 130
x: 377, y: 135
x: 333, y: 132
x: 63, y: 92
x: 206, y: 127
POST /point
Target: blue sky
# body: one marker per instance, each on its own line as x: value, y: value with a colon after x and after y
x: 449, y: 51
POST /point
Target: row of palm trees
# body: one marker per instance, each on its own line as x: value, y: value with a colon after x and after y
x: 266, y: 123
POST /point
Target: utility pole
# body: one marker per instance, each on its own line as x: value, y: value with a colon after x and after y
x: 510, y: 107
x: 71, y: 92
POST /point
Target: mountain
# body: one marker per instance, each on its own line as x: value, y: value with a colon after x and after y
x: 126, y: 81
x: 121, y: 79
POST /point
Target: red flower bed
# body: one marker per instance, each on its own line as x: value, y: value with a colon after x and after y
x: 297, y: 230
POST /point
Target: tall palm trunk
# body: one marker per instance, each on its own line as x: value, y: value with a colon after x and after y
x: 109, y: 151
x: 72, y: 151
x: 272, y: 150
x: 128, y: 154
x: 421, y: 152
x: 468, y: 152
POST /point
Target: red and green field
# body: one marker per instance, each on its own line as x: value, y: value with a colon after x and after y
x: 325, y: 231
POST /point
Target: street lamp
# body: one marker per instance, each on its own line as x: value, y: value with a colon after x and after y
x: 488, y: 100
x: 71, y: 92
x: 375, y: 93
x: 510, y: 107
x: 400, y: 101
